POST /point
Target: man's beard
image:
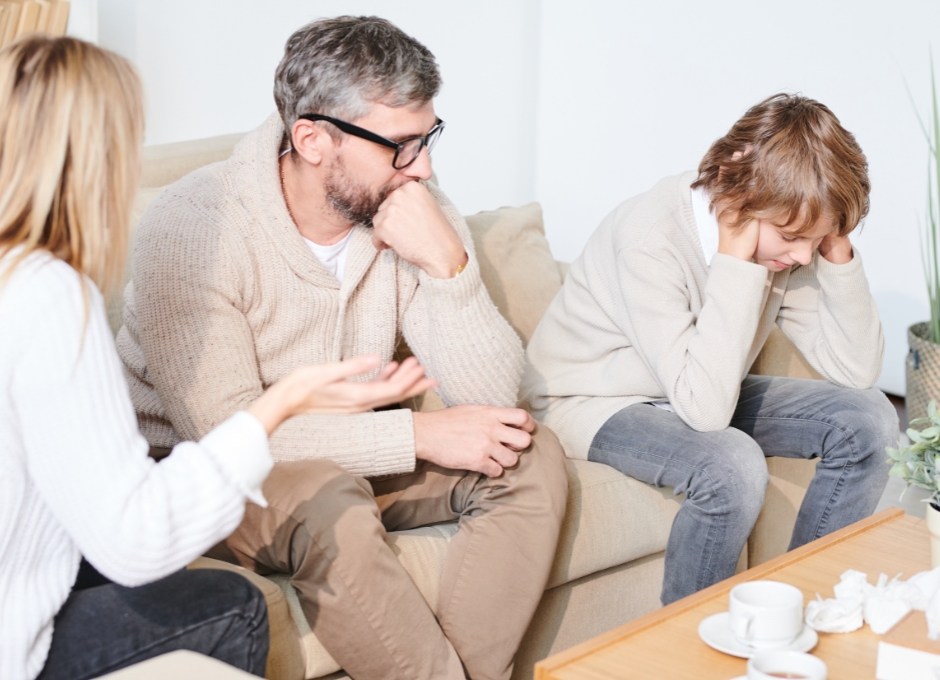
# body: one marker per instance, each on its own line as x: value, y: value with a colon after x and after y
x: 355, y: 202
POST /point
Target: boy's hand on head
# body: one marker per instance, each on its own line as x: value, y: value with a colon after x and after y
x: 739, y: 242
x: 411, y: 223
x: 837, y: 249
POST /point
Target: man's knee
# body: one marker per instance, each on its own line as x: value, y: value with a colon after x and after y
x: 542, y: 472
x: 548, y: 468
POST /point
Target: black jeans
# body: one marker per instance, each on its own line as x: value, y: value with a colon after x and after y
x: 106, y: 627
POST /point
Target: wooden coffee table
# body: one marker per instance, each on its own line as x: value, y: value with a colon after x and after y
x: 665, y: 644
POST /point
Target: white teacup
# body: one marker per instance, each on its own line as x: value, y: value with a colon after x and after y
x: 765, y: 614
x: 775, y: 665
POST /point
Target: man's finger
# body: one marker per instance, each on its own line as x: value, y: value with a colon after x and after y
x: 378, y: 243
x: 504, y: 456
x: 516, y: 417
x: 490, y: 468
x: 515, y: 438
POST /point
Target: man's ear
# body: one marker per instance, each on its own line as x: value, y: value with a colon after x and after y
x: 311, y: 141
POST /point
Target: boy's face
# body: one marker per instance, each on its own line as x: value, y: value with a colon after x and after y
x: 779, y: 247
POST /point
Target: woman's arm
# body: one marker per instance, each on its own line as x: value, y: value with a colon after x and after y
x: 134, y: 520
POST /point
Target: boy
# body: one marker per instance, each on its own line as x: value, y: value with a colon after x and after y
x: 641, y: 360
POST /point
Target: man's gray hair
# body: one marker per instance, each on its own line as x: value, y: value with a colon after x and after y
x: 338, y: 67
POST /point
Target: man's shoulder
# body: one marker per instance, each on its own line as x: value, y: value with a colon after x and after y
x: 213, y: 198
x: 204, y: 198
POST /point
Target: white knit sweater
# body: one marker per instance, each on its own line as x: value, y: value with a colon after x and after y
x: 75, y: 478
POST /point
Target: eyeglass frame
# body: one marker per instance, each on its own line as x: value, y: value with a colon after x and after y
x: 362, y: 133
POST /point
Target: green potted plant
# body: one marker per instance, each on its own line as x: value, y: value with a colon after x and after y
x: 918, y: 464
x: 923, y: 359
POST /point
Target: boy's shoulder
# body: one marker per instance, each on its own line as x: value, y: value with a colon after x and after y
x: 652, y: 219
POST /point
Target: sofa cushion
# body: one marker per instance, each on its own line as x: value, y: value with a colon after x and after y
x: 611, y: 519
x: 516, y: 264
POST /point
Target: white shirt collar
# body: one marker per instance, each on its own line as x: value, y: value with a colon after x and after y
x: 707, y: 223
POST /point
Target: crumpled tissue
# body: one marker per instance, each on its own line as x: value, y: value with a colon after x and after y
x: 881, y: 606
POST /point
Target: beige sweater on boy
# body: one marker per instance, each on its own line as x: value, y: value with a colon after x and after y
x: 227, y: 298
x: 641, y: 317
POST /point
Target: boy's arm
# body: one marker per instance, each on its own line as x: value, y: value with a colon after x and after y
x: 698, y: 362
x: 829, y: 314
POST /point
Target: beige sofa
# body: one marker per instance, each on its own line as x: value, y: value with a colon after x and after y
x: 609, y: 563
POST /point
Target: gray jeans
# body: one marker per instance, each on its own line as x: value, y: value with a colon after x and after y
x: 723, y: 474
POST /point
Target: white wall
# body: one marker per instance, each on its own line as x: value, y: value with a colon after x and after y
x: 632, y: 92
x: 581, y: 106
x: 208, y: 69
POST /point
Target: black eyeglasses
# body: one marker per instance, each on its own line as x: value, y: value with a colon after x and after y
x: 406, y: 151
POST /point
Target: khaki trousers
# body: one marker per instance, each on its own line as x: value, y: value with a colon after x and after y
x: 326, y: 528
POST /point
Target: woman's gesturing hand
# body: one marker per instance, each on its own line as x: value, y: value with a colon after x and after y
x: 326, y: 388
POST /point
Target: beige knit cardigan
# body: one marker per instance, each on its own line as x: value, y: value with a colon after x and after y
x: 227, y: 298
x: 642, y: 317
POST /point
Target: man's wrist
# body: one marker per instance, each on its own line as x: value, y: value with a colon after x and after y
x: 449, y: 268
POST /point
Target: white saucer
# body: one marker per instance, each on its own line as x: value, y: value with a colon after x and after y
x: 716, y: 633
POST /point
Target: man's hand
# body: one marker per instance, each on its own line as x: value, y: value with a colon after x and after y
x: 478, y: 438
x: 411, y: 223
x: 739, y: 242
x: 837, y: 249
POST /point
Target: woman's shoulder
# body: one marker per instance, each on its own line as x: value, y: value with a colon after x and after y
x: 38, y: 273
x: 41, y: 283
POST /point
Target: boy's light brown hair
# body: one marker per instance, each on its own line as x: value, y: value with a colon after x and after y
x: 788, y: 159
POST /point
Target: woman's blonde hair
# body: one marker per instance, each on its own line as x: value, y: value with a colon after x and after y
x: 71, y: 126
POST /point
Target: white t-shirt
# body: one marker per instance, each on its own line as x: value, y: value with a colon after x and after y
x: 332, y: 257
x: 707, y: 224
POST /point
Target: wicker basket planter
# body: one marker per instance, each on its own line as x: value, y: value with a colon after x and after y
x: 923, y: 371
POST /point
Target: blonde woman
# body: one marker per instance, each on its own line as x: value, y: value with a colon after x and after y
x: 75, y: 478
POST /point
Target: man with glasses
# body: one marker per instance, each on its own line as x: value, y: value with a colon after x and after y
x: 322, y: 239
